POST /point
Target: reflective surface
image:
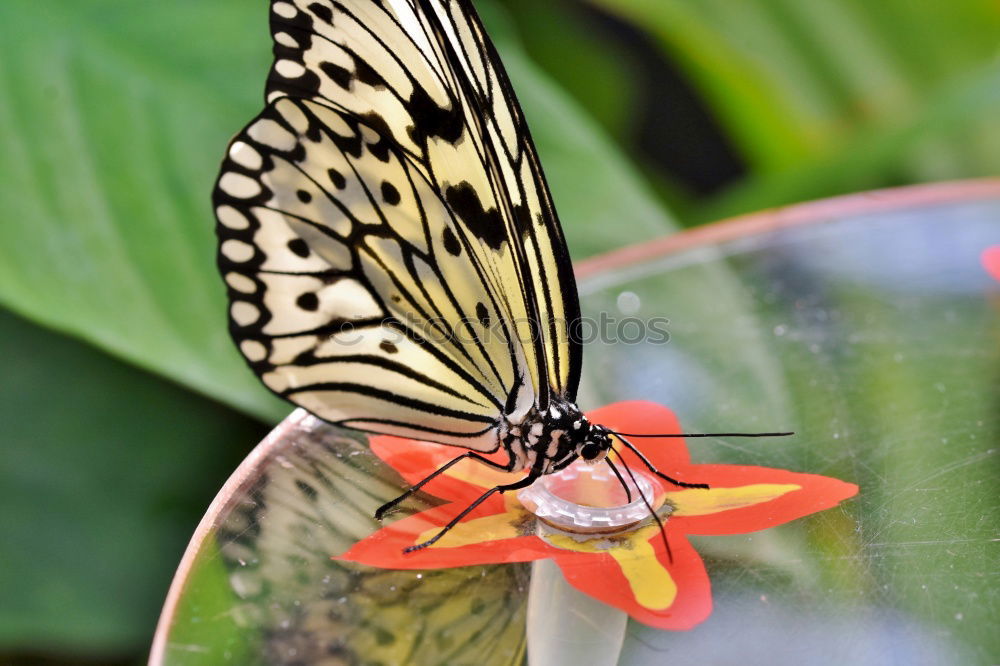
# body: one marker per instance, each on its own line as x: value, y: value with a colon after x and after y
x: 589, y: 499
x: 877, y: 339
x: 261, y: 587
x: 875, y: 336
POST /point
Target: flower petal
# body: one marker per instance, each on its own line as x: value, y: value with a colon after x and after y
x: 642, y: 416
x: 491, y: 545
x: 700, y: 502
x: 631, y: 571
x: 496, y: 527
x: 990, y: 259
x: 416, y: 460
x: 643, y: 582
x: 813, y: 493
x: 651, y: 584
x: 669, y: 455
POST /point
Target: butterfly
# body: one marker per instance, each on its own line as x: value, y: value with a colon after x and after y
x: 393, y: 258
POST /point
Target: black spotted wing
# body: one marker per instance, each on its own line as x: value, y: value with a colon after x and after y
x: 393, y: 259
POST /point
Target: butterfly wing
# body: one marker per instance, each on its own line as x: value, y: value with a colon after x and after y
x: 392, y: 255
x: 429, y: 72
x: 546, y: 268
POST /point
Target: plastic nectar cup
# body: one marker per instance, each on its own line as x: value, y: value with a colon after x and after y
x: 590, y: 499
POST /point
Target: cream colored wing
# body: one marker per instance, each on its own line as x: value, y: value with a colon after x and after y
x: 392, y: 255
x: 330, y: 243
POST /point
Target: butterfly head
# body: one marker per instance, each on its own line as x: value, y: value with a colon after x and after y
x: 594, y: 442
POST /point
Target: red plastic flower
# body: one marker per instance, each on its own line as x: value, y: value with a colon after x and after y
x: 630, y: 571
x: 991, y: 261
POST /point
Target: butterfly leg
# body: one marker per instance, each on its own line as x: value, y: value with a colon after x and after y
x: 523, y: 483
x: 509, y: 467
x: 652, y: 511
x: 621, y: 480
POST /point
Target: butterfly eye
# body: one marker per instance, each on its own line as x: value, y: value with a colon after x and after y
x: 590, y: 451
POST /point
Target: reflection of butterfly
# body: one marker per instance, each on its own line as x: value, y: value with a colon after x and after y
x: 393, y: 258
x: 305, y: 498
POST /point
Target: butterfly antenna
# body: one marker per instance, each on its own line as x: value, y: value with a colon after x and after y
x: 652, y: 467
x: 706, y: 434
x: 652, y: 512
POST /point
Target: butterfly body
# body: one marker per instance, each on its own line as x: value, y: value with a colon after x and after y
x: 548, y: 440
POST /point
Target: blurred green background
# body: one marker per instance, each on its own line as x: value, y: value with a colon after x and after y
x: 125, y: 406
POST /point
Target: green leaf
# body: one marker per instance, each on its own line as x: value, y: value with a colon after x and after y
x: 602, y: 199
x: 115, y: 120
x: 791, y: 79
x: 828, y: 96
x: 111, y: 126
x: 105, y: 469
x: 603, y: 203
x: 873, y: 157
x: 601, y: 75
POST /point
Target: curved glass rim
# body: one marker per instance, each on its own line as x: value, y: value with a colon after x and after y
x: 244, y: 474
x: 808, y: 213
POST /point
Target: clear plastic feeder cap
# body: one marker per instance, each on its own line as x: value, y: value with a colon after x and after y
x: 590, y: 499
